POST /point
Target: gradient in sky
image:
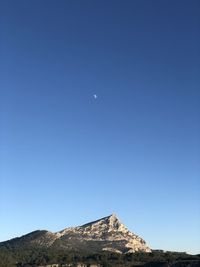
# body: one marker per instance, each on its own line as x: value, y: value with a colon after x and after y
x: 67, y: 157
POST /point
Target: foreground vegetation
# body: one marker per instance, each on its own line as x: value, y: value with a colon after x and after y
x: 32, y: 257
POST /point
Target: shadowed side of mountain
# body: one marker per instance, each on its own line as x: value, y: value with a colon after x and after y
x: 39, y: 237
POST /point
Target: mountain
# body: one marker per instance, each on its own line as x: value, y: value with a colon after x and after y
x: 106, y: 234
x: 102, y: 243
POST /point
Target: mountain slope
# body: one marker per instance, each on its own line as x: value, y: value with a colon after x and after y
x: 107, y: 233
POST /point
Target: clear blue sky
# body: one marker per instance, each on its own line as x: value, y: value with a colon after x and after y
x: 67, y: 158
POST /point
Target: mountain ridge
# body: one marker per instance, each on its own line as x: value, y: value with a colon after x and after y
x: 107, y: 233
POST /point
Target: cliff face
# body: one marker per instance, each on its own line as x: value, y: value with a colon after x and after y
x: 110, y: 230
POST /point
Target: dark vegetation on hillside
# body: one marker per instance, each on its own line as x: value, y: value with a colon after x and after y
x: 33, y: 256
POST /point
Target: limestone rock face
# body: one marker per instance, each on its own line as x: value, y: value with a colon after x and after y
x: 108, y: 229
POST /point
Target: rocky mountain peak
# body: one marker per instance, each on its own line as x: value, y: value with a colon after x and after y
x: 103, y: 226
x: 110, y: 221
x: 108, y: 229
x: 113, y: 221
x: 107, y: 233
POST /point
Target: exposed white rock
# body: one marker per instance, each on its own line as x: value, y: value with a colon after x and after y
x: 112, y: 250
x: 107, y: 233
x: 108, y: 229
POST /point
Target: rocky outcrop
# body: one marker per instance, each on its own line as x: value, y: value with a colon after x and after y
x: 108, y: 229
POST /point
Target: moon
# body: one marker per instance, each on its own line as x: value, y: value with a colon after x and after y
x: 95, y: 96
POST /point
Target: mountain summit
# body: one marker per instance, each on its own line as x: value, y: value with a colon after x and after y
x: 107, y: 233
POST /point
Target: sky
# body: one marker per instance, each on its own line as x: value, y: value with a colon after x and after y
x: 100, y: 113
